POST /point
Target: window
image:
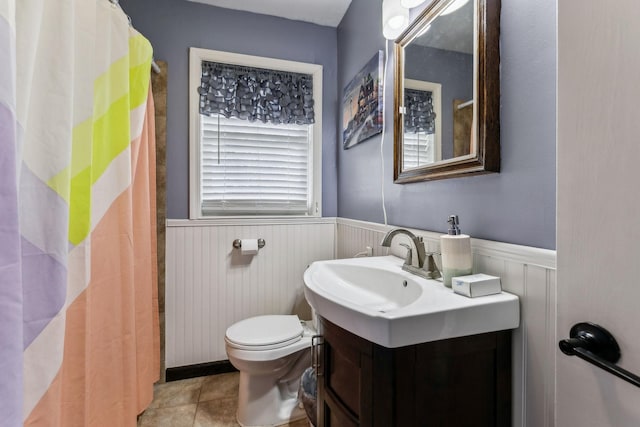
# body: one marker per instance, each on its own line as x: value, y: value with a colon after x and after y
x: 249, y: 165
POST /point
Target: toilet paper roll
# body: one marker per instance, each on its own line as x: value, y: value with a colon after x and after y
x: 249, y: 246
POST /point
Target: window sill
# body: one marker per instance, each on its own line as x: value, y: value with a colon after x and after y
x: 250, y: 220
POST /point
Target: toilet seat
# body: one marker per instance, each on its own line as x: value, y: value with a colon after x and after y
x: 265, y: 332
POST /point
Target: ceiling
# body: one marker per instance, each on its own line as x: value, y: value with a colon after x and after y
x: 321, y: 12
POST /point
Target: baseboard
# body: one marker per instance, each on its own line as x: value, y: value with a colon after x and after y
x: 199, y: 370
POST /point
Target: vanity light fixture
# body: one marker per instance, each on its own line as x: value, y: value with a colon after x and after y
x: 395, y: 19
x: 457, y: 4
x: 411, y: 3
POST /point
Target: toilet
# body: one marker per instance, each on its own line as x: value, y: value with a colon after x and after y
x: 271, y: 352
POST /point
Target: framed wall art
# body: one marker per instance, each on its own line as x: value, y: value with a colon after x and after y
x: 362, y: 103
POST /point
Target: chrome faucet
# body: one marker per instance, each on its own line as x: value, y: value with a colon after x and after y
x: 416, y: 255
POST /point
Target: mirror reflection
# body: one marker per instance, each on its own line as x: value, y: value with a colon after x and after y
x: 438, y: 106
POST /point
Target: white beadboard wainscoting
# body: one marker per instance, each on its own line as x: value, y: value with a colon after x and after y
x: 527, y: 272
x: 210, y: 286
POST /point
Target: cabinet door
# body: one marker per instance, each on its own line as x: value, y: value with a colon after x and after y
x: 335, y: 415
x: 347, y: 373
x: 461, y: 382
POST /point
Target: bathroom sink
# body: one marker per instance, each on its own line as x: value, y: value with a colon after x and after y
x: 375, y: 299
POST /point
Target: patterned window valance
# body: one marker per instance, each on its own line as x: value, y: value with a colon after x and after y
x: 419, y: 116
x: 256, y: 94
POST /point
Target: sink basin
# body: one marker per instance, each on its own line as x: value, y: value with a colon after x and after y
x: 375, y: 288
x: 374, y: 298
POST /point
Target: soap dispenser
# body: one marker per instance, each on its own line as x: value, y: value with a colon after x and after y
x: 456, y: 252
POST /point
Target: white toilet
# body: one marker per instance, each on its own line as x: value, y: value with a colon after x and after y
x: 271, y: 352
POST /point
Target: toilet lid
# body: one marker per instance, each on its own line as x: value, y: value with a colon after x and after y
x: 271, y: 331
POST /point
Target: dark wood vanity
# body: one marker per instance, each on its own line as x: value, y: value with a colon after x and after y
x: 449, y: 383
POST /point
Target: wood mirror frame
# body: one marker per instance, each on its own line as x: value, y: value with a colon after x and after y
x: 486, y: 98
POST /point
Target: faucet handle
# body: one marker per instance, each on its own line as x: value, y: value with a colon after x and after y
x: 409, y: 258
x: 431, y: 265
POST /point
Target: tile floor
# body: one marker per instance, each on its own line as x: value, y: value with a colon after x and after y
x: 197, y: 402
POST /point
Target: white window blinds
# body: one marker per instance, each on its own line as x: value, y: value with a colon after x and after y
x: 254, y: 168
x: 418, y: 149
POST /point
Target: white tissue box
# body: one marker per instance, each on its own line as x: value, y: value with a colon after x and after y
x: 476, y: 285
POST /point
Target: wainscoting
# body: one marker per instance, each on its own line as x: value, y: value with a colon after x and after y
x: 209, y: 287
x: 527, y: 272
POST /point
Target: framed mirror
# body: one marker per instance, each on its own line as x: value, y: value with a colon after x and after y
x: 447, y: 92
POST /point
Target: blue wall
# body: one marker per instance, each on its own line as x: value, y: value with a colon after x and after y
x: 518, y: 204
x: 173, y: 26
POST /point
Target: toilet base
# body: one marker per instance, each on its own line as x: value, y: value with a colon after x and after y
x: 263, y: 405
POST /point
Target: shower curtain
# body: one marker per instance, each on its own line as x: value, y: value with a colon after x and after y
x: 79, y: 342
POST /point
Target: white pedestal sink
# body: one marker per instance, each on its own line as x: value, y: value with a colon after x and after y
x: 376, y: 300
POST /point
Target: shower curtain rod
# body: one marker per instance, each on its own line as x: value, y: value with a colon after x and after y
x: 154, y: 66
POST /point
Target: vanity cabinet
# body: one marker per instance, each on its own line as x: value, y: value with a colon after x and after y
x: 455, y: 382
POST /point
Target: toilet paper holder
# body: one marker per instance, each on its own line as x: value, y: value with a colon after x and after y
x: 238, y: 243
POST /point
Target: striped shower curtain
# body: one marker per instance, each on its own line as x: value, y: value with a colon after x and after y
x: 79, y: 342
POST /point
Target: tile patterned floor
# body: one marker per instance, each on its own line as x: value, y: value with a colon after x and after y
x: 197, y: 402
